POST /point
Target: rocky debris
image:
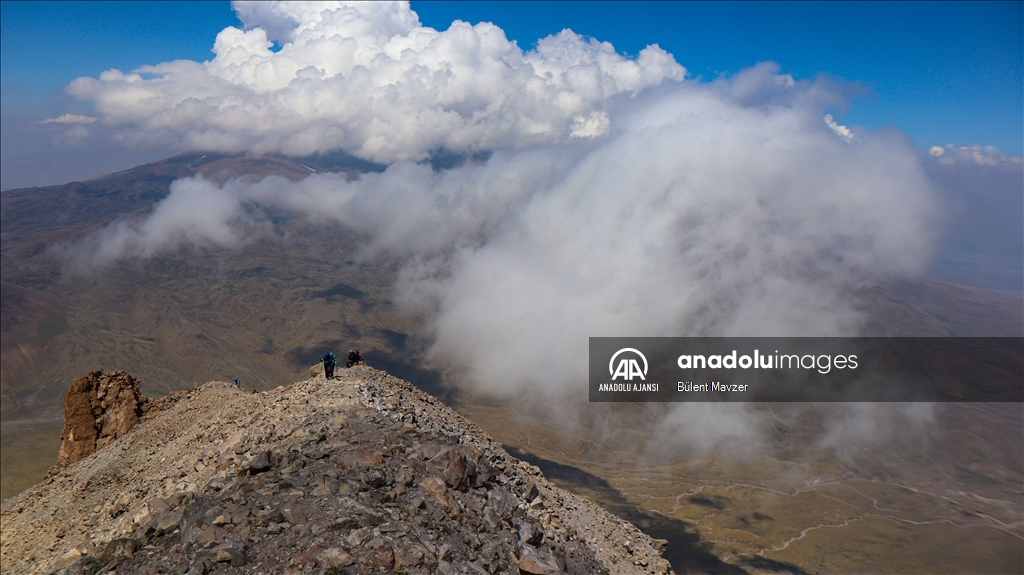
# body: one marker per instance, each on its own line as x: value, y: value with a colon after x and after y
x: 538, y: 562
x: 362, y: 475
x: 99, y: 408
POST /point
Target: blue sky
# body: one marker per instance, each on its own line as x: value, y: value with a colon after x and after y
x: 942, y: 72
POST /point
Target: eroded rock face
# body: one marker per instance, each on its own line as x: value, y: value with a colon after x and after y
x: 98, y: 409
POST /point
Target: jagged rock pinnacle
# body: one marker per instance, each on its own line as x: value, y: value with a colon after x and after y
x: 99, y: 408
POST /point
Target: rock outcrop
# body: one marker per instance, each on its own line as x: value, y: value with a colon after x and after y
x: 316, y: 370
x: 99, y: 408
x: 362, y: 474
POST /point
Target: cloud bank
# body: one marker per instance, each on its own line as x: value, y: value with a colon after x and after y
x: 619, y: 200
x: 369, y: 79
x: 195, y: 213
x: 695, y: 214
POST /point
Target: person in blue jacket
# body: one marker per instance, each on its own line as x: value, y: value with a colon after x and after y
x: 329, y: 362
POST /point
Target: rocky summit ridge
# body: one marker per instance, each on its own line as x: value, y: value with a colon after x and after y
x: 361, y: 474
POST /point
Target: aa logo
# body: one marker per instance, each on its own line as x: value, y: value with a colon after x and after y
x: 627, y: 367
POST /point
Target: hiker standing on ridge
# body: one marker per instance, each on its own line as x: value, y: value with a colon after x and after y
x: 329, y: 362
x: 354, y: 358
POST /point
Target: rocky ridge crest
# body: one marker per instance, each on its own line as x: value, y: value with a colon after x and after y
x: 361, y: 474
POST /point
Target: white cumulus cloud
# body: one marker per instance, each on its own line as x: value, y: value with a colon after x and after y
x: 838, y: 129
x: 369, y: 79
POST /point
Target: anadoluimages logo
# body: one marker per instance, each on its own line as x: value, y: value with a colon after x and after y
x: 627, y: 368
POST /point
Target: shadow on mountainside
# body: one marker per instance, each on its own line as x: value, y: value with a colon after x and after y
x: 339, y: 290
x: 305, y: 356
x: 410, y: 370
x: 404, y: 361
x: 773, y: 566
x: 685, y: 550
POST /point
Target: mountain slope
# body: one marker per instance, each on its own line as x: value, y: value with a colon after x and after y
x: 364, y: 472
x: 260, y: 314
x: 264, y: 311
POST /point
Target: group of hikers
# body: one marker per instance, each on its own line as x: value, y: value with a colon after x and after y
x: 329, y: 361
